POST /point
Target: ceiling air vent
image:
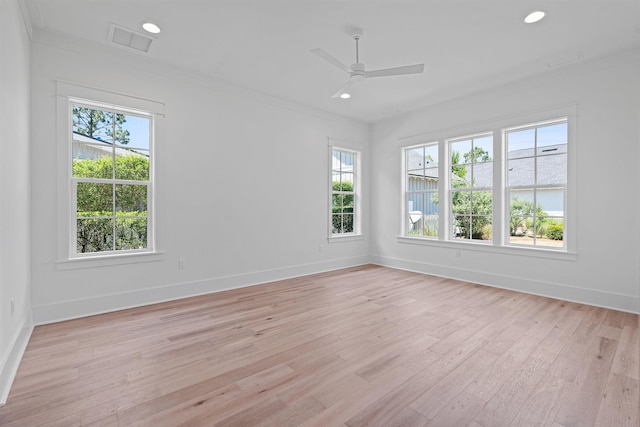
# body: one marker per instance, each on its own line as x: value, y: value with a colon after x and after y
x: 124, y: 37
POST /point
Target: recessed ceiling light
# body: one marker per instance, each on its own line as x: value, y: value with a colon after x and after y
x: 345, y: 96
x: 151, y: 27
x: 534, y: 17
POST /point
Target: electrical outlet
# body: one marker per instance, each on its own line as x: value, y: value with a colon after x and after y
x: 182, y: 264
x: 457, y: 253
x: 320, y: 248
x: 13, y: 307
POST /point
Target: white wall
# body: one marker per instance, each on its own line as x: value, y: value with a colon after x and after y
x: 607, y: 95
x: 15, y: 204
x: 242, y: 185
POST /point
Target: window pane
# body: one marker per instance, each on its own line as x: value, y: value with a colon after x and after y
x: 415, y: 203
x: 415, y: 158
x: 461, y: 226
x: 482, y: 202
x: 335, y: 161
x: 92, y: 160
x: 552, y: 169
x: 342, y: 223
x: 347, y: 160
x: 132, y: 165
x: 458, y: 151
x: 94, y: 199
x: 94, y: 235
x: 432, y: 176
x: 483, y: 149
x: 520, y: 208
x: 347, y: 181
x: 431, y: 155
x: 521, y: 172
x: 460, y: 174
x: 550, y: 201
x: 93, y: 123
x: 481, y: 227
x: 131, y: 198
x: 461, y: 202
x: 552, y: 232
x: 131, y: 233
x: 552, y: 135
x: 132, y: 131
x: 347, y: 223
x: 520, y: 143
x: 483, y: 174
x: 336, y: 223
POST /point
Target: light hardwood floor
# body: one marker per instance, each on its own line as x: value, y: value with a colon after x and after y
x: 364, y: 346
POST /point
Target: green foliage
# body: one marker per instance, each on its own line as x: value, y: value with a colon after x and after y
x: 477, y: 155
x: 555, y: 232
x: 472, y: 210
x: 96, y: 233
x: 458, y: 170
x: 96, y: 230
x: 99, y: 197
x: 522, y: 216
x: 342, y: 208
x: 100, y: 124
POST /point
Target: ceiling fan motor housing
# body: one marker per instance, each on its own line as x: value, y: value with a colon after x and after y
x: 357, y: 72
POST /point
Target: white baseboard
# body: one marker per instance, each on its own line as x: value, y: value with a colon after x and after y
x: 621, y: 302
x: 73, y: 309
x: 10, y: 367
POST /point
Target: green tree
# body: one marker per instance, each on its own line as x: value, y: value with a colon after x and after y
x: 100, y: 124
x: 98, y: 197
x: 522, y: 214
x: 471, y: 209
x: 477, y: 155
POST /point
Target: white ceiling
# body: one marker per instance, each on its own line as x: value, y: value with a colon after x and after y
x: 264, y: 44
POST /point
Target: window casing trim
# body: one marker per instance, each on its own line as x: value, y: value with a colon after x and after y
x: 66, y: 95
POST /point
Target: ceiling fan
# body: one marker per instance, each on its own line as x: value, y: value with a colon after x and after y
x: 357, y: 71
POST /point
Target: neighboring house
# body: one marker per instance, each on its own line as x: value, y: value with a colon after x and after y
x: 85, y: 147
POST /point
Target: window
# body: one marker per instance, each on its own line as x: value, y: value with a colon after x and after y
x: 509, y: 191
x: 111, y: 179
x: 470, y: 187
x: 536, y: 180
x: 421, y: 197
x: 344, y: 192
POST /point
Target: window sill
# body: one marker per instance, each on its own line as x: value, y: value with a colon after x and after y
x: 490, y: 248
x: 108, y: 260
x: 345, y: 238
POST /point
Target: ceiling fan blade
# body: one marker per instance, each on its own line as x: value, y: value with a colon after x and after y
x: 343, y: 89
x: 407, y: 69
x: 329, y: 58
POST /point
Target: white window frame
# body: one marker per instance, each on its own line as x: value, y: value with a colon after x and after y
x: 72, y: 93
x: 500, y: 240
x: 357, y: 215
x: 409, y: 218
x: 450, y: 189
x: 533, y: 187
x: 149, y: 247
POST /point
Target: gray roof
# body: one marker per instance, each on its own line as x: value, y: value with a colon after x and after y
x: 520, y: 165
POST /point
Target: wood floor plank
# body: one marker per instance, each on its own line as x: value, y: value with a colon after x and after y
x: 362, y: 346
